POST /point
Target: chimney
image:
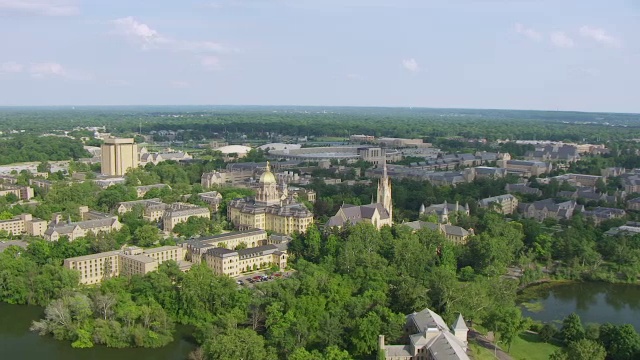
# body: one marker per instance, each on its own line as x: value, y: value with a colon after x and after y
x: 381, y: 342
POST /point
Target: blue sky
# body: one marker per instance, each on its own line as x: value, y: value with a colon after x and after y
x: 515, y: 54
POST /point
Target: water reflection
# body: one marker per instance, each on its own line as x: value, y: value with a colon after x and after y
x: 594, y: 302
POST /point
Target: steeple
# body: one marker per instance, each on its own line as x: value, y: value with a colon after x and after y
x: 384, y: 188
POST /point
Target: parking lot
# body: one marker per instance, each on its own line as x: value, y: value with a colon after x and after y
x: 260, y: 276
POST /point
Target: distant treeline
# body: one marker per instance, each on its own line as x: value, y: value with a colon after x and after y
x: 256, y: 122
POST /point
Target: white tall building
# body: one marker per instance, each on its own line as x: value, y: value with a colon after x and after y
x: 118, y: 156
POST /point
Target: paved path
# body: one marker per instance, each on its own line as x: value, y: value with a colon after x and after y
x: 485, y: 343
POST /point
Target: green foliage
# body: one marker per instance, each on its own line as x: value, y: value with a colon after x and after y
x: 23, y: 148
x: 547, y: 332
x: 572, y: 329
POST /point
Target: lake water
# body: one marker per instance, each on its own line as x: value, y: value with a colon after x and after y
x: 17, y: 342
x: 594, y: 302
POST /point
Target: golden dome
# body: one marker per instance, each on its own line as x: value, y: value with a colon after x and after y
x: 267, y: 176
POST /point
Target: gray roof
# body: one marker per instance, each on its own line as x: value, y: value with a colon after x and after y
x: 500, y: 198
x: 448, y: 229
x: 67, y: 227
x: 460, y: 324
x: 231, y: 235
x: 354, y: 214
x: 6, y: 243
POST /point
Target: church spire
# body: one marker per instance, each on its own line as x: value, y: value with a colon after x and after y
x: 384, y: 188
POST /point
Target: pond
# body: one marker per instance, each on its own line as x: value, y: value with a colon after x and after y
x: 17, y: 342
x: 595, y: 302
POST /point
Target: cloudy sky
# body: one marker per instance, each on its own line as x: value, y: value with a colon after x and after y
x: 516, y: 54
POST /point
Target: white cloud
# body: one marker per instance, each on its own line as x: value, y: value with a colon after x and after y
x: 561, y: 40
x: 138, y: 32
x: 411, y: 65
x: 210, y: 62
x: 10, y: 67
x: 41, y: 7
x: 39, y: 70
x: 353, y: 76
x: 149, y: 38
x: 600, y: 36
x: 528, y: 32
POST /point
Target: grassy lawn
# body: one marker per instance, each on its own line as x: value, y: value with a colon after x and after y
x: 480, y: 353
x: 529, y: 347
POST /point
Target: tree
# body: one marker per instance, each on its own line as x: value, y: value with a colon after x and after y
x: 508, y: 322
x: 585, y: 349
x: 621, y: 342
x: 236, y: 343
x: 146, y: 235
x: 572, y: 329
x: 547, y: 332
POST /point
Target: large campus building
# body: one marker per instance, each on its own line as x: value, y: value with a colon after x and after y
x: 93, y: 222
x: 427, y: 337
x: 118, y: 156
x: 130, y: 261
x: 24, y: 224
x: 273, y: 208
x: 378, y: 214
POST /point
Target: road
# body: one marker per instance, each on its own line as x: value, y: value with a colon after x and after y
x: 485, y: 343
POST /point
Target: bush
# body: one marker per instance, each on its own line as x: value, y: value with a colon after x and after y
x: 547, y: 332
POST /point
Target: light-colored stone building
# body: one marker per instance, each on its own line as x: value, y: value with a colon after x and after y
x: 127, y: 262
x: 548, y: 208
x: 180, y: 212
x: 378, y: 214
x: 94, y: 223
x: 503, y: 204
x: 118, y: 156
x: 444, y: 210
x: 24, y: 224
x: 427, y: 337
x: 273, y: 208
x: 455, y: 234
x: 234, y: 262
x: 212, y: 198
x: 196, y: 248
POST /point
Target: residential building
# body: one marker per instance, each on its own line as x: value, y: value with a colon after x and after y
x: 24, y: 224
x: 443, y: 211
x: 225, y: 177
x: 196, y: 248
x: 613, y: 171
x: 600, y: 214
x: 4, y: 244
x: 378, y: 214
x: 234, y: 262
x: 180, y: 212
x: 22, y: 192
x: 522, y: 189
x: 525, y: 168
x: 631, y: 228
x: 142, y: 190
x: 212, y: 198
x: 153, y: 209
x: 580, y: 179
x: 565, y: 153
x: 590, y: 194
x: 634, y: 204
x: 127, y: 262
x: 547, y: 208
x: 504, y: 204
x: 118, y: 156
x: 273, y: 208
x: 456, y: 234
x: 45, y: 185
x: 427, y: 337
x: 95, y: 223
x: 155, y: 158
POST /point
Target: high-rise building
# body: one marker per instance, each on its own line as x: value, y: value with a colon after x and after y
x: 118, y: 156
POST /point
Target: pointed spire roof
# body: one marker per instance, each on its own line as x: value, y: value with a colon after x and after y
x: 460, y: 324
